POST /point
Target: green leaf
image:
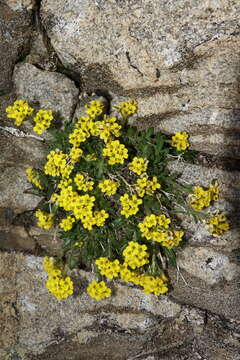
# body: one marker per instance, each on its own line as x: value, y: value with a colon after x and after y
x: 171, y: 256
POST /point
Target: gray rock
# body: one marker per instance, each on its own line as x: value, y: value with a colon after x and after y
x: 20, y: 5
x: 208, y: 265
x: 82, y: 326
x: 15, y: 34
x: 38, y: 309
x: 228, y: 203
x: 15, y: 238
x: 13, y: 184
x: 52, y: 91
x: 17, y: 154
x: 178, y: 59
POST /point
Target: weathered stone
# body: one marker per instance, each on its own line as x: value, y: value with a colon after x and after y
x: 207, y: 265
x: 13, y: 184
x: 80, y: 325
x: 229, y: 184
x: 185, y: 77
x: 38, y: 309
x: 222, y: 298
x: 18, y: 5
x: 48, y: 240
x: 135, y: 321
x: 8, y: 295
x: 15, y: 33
x: 49, y: 90
x: 23, y: 151
x: 17, y: 154
x: 15, y: 238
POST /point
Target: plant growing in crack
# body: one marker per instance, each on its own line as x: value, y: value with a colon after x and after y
x: 107, y: 189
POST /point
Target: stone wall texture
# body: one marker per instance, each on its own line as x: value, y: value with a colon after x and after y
x: 181, y: 61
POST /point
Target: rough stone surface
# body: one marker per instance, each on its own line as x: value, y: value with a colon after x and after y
x: 180, y: 60
x: 222, y: 298
x: 208, y: 265
x: 17, y: 155
x: 80, y: 325
x: 15, y: 34
x: 47, y: 89
x: 19, y: 5
x: 15, y: 238
x: 47, y: 240
x: 13, y: 184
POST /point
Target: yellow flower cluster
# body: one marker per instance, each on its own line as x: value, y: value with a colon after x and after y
x: 150, y: 284
x: 127, y: 108
x: 77, y: 137
x: 81, y: 206
x: 66, y: 198
x: 130, y: 206
x: 67, y: 223
x: 94, y: 108
x: 108, y: 128
x: 33, y: 178
x: 116, y: 152
x: 135, y: 255
x: 155, y: 285
x: 180, y: 141
x: 202, y: 198
x: 82, y: 183
x: 75, y: 154
x: 57, y: 164
x: 154, y: 228
x: 218, y: 224
x: 129, y: 276
x: 138, y: 165
x: 98, y: 290
x: 64, y: 183
x: 19, y: 111
x: 108, y: 268
x: 108, y: 186
x: 56, y: 284
x: 42, y: 120
x: 45, y: 221
x: 145, y: 186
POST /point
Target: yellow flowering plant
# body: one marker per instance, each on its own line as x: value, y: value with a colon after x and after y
x: 107, y: 188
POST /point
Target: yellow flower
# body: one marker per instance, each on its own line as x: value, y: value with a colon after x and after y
x: 218, y: 224
x: 57, y: 164
x: 75, y: 154
x: 180, y: 141
x: 94, y: 108
x: 108, y: 268
x: 42, y: 120
x: 98, y: 290
x: 108, y: 186
x: 108, y: 128
x: 127, y: 108
x: 116, y: 152
x: 138, y: 165
x: 202, y: 198
x: 144, y: 185
x: 155, y: 285
x: 82, y: 183
x: 33, y: 177
x: 135, y: 255
x: 129, y: 205
x: 45, y: 220
x: 19, y: 111
x: 60, y: 287
x: 67, y: 223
